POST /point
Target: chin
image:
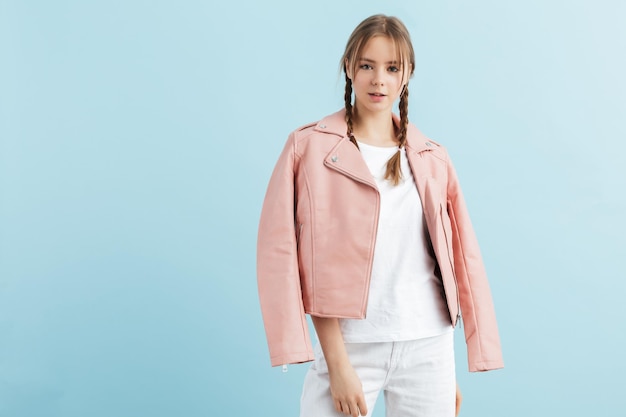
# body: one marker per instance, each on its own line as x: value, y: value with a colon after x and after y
x: 374, y: 107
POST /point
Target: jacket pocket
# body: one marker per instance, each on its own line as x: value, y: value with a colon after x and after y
x: 305, y: 268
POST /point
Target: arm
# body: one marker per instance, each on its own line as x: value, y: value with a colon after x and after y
x: 479, y: 319
x: 345, y: 385
x: 278, y: 275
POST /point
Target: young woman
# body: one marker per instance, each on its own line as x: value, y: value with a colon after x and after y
x: 364, y: 227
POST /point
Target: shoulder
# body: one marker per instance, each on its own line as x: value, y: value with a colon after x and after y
x: 326, y: 128
x: 418, y: 142
x: 305, y: 129
x: 334, y: 123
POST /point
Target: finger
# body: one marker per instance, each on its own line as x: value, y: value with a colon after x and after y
x: 354, y: 410
x: 338, y: 405
x: 362, y: 405
x: 345, y: 409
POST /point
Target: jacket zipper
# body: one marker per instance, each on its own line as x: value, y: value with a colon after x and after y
x: 371, y: 255
x: 456, y: 284
x: 299, y: 235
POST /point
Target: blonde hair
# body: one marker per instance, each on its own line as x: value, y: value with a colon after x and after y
x: 392, y: 28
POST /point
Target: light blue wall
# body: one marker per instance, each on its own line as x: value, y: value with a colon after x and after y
x: 136, y: 141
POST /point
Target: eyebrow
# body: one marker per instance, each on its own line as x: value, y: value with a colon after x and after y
x: 373, y: 62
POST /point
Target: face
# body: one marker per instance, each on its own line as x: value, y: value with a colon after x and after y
x: 378, y: 78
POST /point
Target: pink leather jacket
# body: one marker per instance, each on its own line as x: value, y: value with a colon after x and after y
x: 317, y: 233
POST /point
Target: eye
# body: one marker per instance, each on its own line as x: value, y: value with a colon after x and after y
x: 365, y: 66
x: 393, y: 68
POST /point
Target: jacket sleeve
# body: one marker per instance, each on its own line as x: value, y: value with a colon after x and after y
x: 479, y: 321
x: 278, y: 276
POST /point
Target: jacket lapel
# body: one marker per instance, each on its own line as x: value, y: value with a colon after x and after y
x: 346, y: 159
x: 416, y: 147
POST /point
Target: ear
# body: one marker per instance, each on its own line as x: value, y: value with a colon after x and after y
x: 348, y: 69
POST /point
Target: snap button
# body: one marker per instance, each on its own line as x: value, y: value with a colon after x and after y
x: 322, y: 126
x: 429, y: 144
x: 334, y: 158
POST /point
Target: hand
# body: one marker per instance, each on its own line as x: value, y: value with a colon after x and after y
x: 347, y: 391
x: 459, y: 400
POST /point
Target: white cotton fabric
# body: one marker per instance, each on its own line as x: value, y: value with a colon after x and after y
x: 406, y: 298
x: 416, y: 376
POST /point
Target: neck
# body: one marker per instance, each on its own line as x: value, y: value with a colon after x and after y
x: 374, y: 128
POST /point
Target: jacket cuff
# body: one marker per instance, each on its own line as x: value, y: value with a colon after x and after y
x: 293, y: 358
x: 483, y: 366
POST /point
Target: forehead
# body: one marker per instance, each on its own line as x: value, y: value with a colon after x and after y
x: 380, y: 49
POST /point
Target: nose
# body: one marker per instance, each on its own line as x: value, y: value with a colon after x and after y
x: 377, y: 79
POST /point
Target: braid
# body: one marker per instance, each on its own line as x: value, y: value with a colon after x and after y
x: 393, y: 172
x: 404, y: 115
x: 348, y: 99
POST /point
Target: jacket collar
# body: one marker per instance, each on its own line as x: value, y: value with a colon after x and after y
x: 344, y: 156
x: 335, y: 124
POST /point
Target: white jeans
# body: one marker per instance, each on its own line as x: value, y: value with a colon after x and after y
x: 417, y: 377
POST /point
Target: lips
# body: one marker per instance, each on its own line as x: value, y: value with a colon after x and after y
x: 377, y: 97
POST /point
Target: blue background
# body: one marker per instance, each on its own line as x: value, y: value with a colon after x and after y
x: 136, y: 142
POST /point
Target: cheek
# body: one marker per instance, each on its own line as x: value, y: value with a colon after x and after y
x: 360, y: 83
x: 398, y: 86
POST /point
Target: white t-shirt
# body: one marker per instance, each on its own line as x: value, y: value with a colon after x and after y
x: 406, y: 298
